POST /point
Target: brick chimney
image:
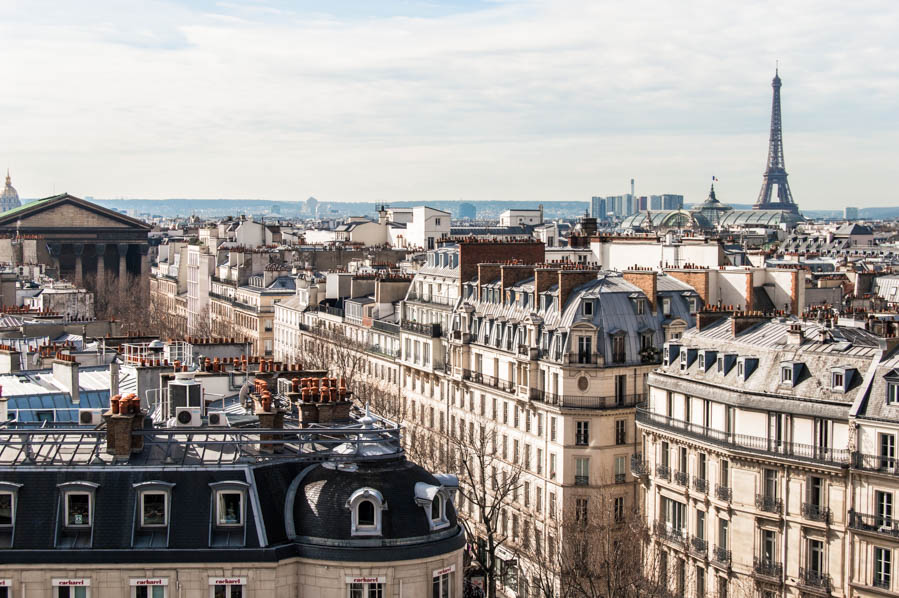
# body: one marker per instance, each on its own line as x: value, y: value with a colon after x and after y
x: 121, y: 442
x: 647, y: 280
x: 509, y: 274
x: 698, y: 278
x: 571, y: 279
x: 487, y: 273
x: 744, y: 320
x: 543, y: 279
x: 709, y: 316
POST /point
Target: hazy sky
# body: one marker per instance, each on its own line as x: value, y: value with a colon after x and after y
x: 373, y: 100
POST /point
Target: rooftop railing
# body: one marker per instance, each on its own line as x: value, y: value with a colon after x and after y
x: 745, y: 442
x: 486, y: 380
x: 587, y: 401
x: 83, y: 446
x: 431, y: 330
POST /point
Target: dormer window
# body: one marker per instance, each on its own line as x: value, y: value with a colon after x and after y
x: 837, y: 380
x: 639, y: 307
x: 588, y: 308
x: 720, y: 364
x: 666, y: 306
x: 229, y: 508
x: 366, y: 506
x: 786, y: 375
x: 79, y: 508
x: 437, y: 509
x: 893, y: 393
x: 741, y: 368
x: 434, y: 500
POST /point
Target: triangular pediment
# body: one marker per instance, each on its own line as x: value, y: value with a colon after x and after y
x: 66, y: 211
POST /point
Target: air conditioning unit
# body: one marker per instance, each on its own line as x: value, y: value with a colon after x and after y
x: 90, y: 417
x: 217, y: 418
x: 188, y: 417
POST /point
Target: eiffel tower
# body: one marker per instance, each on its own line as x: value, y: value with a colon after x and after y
x: 775, y: 174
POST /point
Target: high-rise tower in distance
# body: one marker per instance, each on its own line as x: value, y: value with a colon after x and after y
x: 775, y: 193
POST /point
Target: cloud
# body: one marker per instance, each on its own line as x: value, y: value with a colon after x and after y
x: 425, y: 101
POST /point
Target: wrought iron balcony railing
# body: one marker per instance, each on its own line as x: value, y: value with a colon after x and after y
x: 681, y: 478
x: 581, y: 480
x: 431, y: 330
x: 620, y: 478
x: 700, y: 484
x: 768, y: 504
x: 671, y: 534
x: 639, y: 467
x: 724, y: 492
x: 814, y: 579
x: 880, y: 524
x: 721, y: 555
x: 767, y: 568
x: 744, y: 442
x: 814, y: 512
x: 699, y: 546
x: 663, y: 471
x: 586, y: 402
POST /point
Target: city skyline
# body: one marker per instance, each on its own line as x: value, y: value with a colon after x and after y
x: 476, y: 101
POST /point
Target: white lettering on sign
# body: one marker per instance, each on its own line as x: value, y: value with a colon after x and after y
x: 443, y: 571
x: 350, y: 579
x: 71, y: 582
x: 159, y: 581
x: 227, y: 581
x: 5, y: 583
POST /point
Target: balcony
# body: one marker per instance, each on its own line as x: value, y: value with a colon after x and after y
x: 429, y: 330
x: 586, y: 402
x: 671, y: 534
x: 700, y: 484
x: 721, y: 556
x: 639, y: 467
x: 492, y: 381
x: 578, y: 358
x: 385, y: 327
x: 744, y: 442
x: 379, y: 350
x: 581, y: 480
x: 768, y: 569
x: 664, y: 472
x: 814, y: 512
x: 681, y: 478
x: 814, y: 580
x: 724, y: 493
x: 878, y: 524
x: 699, y: 546
x: 769, y: 504
x: 431, y: 298
x: 620, y: 478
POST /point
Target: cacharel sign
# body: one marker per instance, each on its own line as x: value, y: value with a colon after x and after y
x: 151, y: 581
x: 70, y: 582
x: 227, y: 581
x: 444, y: 571
x: 5, y: 583
x: 351, y: 579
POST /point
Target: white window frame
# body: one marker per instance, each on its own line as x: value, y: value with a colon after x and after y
x: 140, y: 582
x: 11, y: 489
x: 219, y: 518
x: 444, y: 580
x: 368, y: 584
x: 353, y: 502
x: 893, y: 393
x: 85, y: 583
x: 165, y: 502
x: 786, y: 375
x: 67, y: 494
x: 229, y: 582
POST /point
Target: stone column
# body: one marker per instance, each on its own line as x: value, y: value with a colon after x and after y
x: 78, y: 250
x: 123, y: 266
x: 144, y: 283
x: 100, y: 249
x: 55, y: 250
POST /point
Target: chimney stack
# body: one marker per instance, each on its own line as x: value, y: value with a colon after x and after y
x: 10, y: 360
x: 65, y: 371
x: 647, y: 280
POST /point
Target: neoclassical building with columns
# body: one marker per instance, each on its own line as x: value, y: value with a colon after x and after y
x: 88, y: 244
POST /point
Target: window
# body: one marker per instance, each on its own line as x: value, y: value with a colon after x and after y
x: 442, y: 583
x: 883, y: 504
x: 552, y: 429
x: 836, y: 380
x: 723, y: 473
x: 365, y: 506
x: 701, y: 466
x: 7, y: 508
x: 723, y: 529
x: 538, y: 499
x: 620, y: 431
x: 618, y: 348
x: 552, y: 505
x: 436, y: 509
x: 722, y: 587
x: 619, y: 508
x: 230, y: 587
x: 153, y: 509
x: 580, y: 510
x: 229, y: 508
x: 887, y: 451
x: 892, y: 393
x: 582, y: 435
x: 620, y: 469
x: 786, y: 375
x: 675, y: 514
x: 700, y: 524
x: 552, y: 466
x: 149, y: 588
x: 883, y: 567
x: 816, y: 556
x: 588, y: 308
x: 770, y: 483
x: 700, y: 582
x: 666, y: 306
x: 640, y: 307
x: 581, y: 471
x: 71, y: 588
x: 78, y: 509
x: 769, y: 546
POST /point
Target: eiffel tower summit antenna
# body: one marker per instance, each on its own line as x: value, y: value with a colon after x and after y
x: 775, y: 193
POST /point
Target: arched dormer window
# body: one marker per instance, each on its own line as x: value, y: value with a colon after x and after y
x: 366, y: 506
x: 434, y: 501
